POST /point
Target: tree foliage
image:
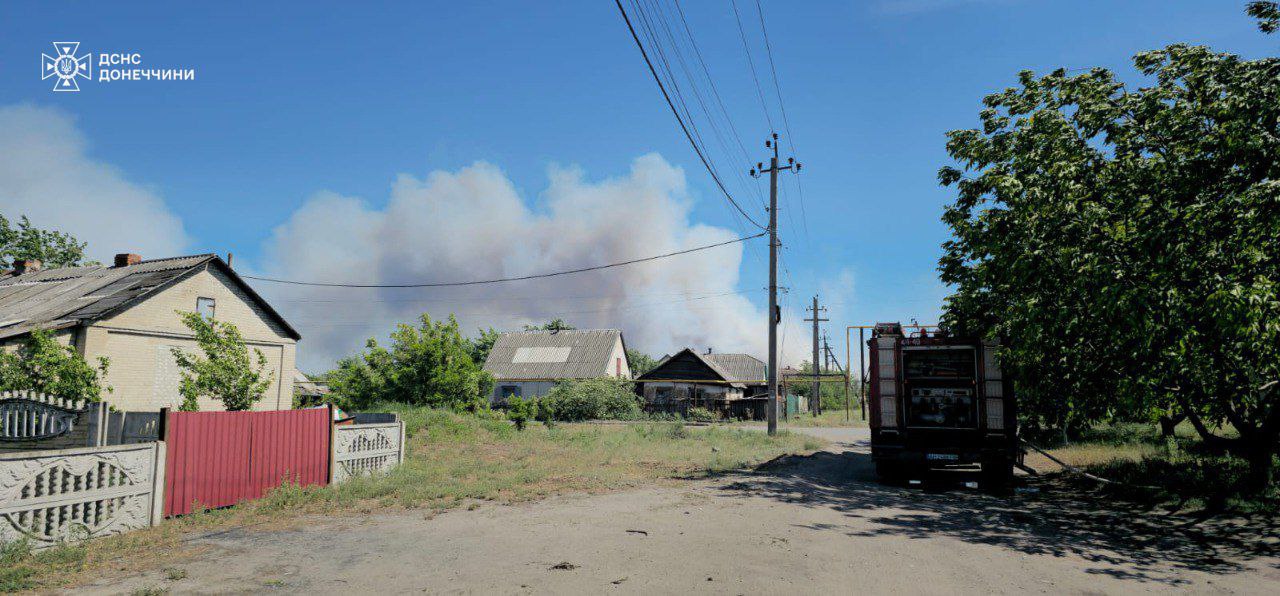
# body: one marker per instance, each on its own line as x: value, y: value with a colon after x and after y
x: 430, y: 364
x: 25, y: 241
x: 226, y: 372
x: 1127, y: 243
x: 43, y: 365
x: 1268, y: 15
x: 483, y: 344
x: 640, y: 362
x: 552, y: 325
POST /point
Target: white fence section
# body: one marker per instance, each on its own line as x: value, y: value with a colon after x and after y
x: 49, y: 496
x: 29, y: 416
x: 365, y: 449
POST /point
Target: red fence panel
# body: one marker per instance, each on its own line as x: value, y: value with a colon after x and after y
x: 222, y: 458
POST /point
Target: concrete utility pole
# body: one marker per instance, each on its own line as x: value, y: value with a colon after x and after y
x: 775, y: 315
x: 815, y: 393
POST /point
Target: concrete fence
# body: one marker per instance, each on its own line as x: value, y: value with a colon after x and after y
x: 360, y: 449
x: 51, y: 496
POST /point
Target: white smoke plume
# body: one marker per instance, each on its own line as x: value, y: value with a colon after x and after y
x: 472, y: 224
x: 46, y: 175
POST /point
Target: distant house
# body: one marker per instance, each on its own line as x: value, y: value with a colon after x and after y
x: 308, y: 391
x: 731, y: 384
x: 529, y: 363
x: 128, y: 312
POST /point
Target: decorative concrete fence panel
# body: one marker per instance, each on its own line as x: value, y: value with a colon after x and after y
x: 50, y: 496
x: 30, y: 420
x: 360, y: 449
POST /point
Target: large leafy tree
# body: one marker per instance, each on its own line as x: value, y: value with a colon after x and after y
x: 640, y: 362
x: 25, y: 241
x: 226, y: 371
x: 43, y: 365
x: 1127, y: 242
x: 429, y: 364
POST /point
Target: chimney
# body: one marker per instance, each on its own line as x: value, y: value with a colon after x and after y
x: 21, y: 266
x: 708, y: 349
x: 125, y: 259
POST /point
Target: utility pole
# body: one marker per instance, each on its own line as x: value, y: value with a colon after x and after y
x: 775, y: 314
x: 815, y: 392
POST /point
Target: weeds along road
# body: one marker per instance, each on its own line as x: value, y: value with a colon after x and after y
x: 811, y: 524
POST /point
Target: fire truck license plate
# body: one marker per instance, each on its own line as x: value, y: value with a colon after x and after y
x: 942, y: 456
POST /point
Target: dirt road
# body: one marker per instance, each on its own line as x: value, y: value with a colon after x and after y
x: 814, y: 524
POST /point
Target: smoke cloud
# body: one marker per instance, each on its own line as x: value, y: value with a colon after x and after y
x: 472, y: 224
x: 47, y: 175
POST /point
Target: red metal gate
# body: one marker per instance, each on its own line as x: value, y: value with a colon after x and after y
x: 222, y: 458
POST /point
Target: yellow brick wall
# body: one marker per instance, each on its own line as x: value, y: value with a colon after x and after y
x: 138, y: 342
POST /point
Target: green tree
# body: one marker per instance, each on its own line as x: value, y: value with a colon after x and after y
x: 43, y: 365
x: 1127, y: 244
x: 54, y: 249
x: 227, y: 371
x: 552, y: 325
x: 1267, y: 13
x: 482, y: 344
x: 430, y: 364
x: 640, y: 362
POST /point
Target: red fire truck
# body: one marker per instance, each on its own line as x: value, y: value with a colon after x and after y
x: 939, y: 402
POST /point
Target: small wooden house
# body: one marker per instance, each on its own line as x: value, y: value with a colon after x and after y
x: 732, y: 385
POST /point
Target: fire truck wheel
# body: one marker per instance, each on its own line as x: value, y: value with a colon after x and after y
x: 891, y: 472
x: 997, y: 473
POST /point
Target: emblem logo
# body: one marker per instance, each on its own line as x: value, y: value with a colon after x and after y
x: 66, y: 66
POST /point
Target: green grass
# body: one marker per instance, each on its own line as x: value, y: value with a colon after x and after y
x: 1174, y: 472
x: 828, y: 418
x: 459, y: 458
x: 453, y: 460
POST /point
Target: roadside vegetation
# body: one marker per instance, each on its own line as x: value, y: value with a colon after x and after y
x: 453, y: 460
x: 1172, y: 469
x: 1122, y: 240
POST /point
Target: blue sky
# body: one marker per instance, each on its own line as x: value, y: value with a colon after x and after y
x: 294, y: 101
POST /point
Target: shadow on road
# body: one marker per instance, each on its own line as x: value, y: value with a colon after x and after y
x: 1127, y: 541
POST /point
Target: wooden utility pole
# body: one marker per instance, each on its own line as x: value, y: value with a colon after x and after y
x: 815, y: 391
x: 775, y: 314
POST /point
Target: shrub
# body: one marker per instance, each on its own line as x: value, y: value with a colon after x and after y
x: 594, y: 399
x: 702, y: 415
x: 521, y: 411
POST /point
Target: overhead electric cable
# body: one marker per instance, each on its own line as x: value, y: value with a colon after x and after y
x: 502, y: 279
x: 746, y: 48
x: 782, y: 106
x: 680, y: 120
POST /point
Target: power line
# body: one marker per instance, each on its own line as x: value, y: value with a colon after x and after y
x: 751, y: 63
x: 782, y: 106
x: 503, y: 279
x: 676, y: 113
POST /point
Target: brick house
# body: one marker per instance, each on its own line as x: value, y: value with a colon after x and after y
x: 128, y: 312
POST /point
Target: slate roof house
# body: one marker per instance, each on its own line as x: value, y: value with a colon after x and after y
x: 128, y: 312
x: 731, y: 384
x: 529, y: 363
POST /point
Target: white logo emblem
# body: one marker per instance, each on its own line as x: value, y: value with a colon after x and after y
x: 66, y: 66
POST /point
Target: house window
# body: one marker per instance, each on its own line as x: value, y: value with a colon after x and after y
x: 510, y: 391
x: 205, y: 307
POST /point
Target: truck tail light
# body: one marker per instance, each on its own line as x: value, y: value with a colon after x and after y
x: 995, y: 414
x: 888, y: 411
x: 888, y: 384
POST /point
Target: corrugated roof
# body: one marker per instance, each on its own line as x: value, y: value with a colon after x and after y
x: 738, y: 367
x: 68, y: 296
x: 569, y: 354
